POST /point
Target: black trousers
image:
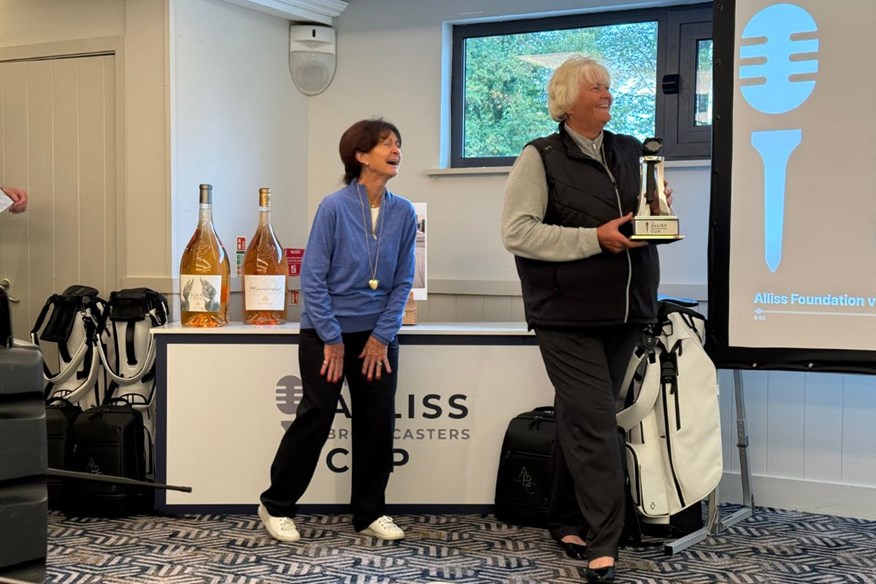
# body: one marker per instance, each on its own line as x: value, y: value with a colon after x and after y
x: 373, y: 424
x: 586, y: 368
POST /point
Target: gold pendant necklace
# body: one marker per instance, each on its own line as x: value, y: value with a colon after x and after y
x: 373, y: 283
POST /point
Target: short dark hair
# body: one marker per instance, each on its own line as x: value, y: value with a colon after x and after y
x: 362, y: 137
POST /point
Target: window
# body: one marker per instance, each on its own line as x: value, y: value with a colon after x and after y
x: 687, y: 113
x: 659, y: 60
x: 703, y: 84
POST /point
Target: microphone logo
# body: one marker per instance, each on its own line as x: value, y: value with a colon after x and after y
x: 288, y: 394
x: 776, y: 65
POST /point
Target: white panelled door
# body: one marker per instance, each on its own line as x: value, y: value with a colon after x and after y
x: 58, y: 141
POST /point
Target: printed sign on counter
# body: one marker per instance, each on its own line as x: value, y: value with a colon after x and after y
x: 450, y: 420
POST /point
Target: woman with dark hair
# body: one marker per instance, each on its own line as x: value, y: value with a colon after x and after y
x: 357, y: 273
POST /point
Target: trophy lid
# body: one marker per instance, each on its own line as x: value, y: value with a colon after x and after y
x: 651, y: 146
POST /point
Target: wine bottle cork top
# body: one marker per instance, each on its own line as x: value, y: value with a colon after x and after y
x: 206, y: 194
x: 264, y: 197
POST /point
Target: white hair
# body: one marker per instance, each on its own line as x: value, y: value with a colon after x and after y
x: 565, y: 83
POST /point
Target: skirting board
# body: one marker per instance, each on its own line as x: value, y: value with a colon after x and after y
x: 802, y: 495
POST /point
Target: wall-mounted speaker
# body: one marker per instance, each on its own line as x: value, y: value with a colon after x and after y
x: 311, y: 57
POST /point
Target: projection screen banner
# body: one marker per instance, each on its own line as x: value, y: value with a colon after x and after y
x: 793, y: 212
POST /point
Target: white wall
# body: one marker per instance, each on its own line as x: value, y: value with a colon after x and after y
x: 396, y: 68
x: 811, y: 435
x: 811, y: 441
x: 238, y: 123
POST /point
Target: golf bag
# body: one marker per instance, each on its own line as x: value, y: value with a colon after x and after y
x: 128, y: 355
x: 68, y: 327
x: 101, y: 426
x: 671, y: 418
x: 67, y: 332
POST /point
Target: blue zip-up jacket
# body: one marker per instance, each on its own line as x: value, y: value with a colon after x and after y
x: 335, y: 270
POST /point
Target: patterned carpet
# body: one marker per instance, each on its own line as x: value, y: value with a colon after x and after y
x: 773, y: 546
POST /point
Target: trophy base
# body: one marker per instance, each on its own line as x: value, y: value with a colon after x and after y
x: 657, y: 238
x: 658, y: 229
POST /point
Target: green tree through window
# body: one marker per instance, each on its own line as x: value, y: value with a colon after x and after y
x: 659, y: 59
x: 506, y: 77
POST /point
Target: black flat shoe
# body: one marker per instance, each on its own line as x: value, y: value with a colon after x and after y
x: 576, y: 551
x: 600, y: 574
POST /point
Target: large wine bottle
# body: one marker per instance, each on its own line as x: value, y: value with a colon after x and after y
x: 264, y: 271
x: 204, y: 272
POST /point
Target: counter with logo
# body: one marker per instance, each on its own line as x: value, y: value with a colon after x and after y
x: 226, y: 395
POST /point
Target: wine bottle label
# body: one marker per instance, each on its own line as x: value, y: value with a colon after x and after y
x: 200, y: 293
x: 264, y: 292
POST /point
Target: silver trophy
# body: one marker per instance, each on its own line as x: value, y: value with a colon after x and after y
x: 654, y: 220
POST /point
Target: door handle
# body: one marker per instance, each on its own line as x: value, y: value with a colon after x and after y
x: 4, y: 283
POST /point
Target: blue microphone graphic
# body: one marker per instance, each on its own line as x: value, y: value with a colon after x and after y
x: 776, y: 62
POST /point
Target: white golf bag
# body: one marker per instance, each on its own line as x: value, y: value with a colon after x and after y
x: 128, y: 354
x: 671, y: 418
x: 67, y: 331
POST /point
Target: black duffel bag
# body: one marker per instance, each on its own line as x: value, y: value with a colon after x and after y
x: 109, y: 442
x: 524, y: 479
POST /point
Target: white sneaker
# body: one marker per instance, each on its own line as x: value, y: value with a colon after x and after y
x: 280, y: 528
x: 384, y: 528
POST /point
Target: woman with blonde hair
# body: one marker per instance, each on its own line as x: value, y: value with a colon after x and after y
x: 588, y: 291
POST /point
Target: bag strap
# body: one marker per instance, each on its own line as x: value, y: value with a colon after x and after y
x: 635, y: 362
x: 85, y: 352
x: 131, y: 306
x: 109, y: 400
x: 77, y: 393
x: 145, y: 366
x: 34, y: 332
x: 63, y: 401
x: 639, y: 405
x: 644, y: 402
x: 694, y: 320
x: 91, y: 312
x: 542, y: 414
x: 76, y: 301
x: 669, y: 368
x: 652, y: 337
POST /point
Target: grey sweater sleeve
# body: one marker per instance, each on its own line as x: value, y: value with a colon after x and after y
x: 523, y: 232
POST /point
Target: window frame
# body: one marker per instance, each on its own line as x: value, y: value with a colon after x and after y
x: 679, y: 142
x: 681, y: 137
